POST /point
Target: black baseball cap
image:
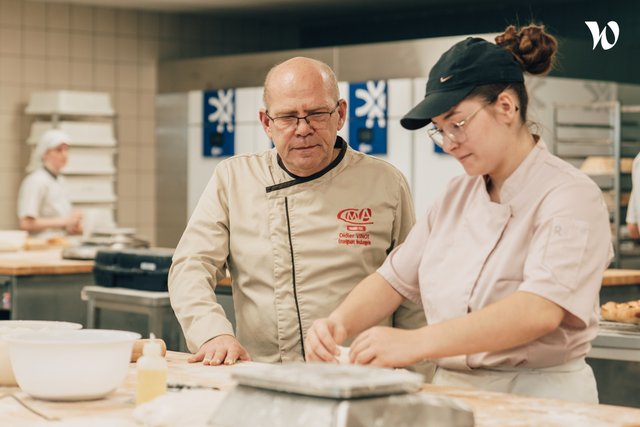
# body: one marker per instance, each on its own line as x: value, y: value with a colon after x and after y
x: 466, y: 65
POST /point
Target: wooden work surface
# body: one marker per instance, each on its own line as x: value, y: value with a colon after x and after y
x: 24, y: 263
x: 620, y: 277
x: 50, y: 261
x: 490, y: 409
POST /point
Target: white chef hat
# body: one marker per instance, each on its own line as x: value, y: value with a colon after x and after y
x: 48, y: 140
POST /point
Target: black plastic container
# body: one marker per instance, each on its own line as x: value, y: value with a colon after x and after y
x: 143, y: 269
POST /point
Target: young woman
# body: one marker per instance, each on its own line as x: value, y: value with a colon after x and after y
x: 44, y: 208
x: 508, y: 262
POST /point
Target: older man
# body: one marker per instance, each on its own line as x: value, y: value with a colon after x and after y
x: 297, y: 226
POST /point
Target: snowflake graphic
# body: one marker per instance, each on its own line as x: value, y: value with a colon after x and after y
x: 223, y: 105
x: 375, y: 103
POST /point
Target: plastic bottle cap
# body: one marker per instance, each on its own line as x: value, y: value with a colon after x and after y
x: 152, y: 347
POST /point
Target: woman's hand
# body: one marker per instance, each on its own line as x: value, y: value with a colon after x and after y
x: 387, y: 347
x: 321, y: 344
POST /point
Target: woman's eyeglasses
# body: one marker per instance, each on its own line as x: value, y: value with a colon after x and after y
x: 454, y: 132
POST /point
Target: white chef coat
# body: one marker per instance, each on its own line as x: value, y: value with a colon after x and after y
x: 43, y: 195
x: 549, y: 235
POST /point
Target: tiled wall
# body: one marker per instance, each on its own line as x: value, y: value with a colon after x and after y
x: 53, y: 46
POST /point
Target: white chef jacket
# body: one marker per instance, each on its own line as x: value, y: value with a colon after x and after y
x: 43, y: 195
x: 633, y: 208
x: 295, y: 247
x: 549, y: 235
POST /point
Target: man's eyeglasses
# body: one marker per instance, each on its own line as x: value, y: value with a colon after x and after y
x: 452, y: 131
x: 316, y: 120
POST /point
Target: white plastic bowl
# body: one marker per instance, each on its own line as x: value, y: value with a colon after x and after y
x: 15, y: 327
x: 12, y: 240
x: 85, y: 364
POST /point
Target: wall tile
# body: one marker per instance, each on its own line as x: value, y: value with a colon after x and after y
x: 148, y: 24
x: 146, y: 159
x: 9, y: 161
x: 126, y: 215
x: 58, y: 44
x: 148, y: 52
x: 127, y: 49
x: 147, y: 78
x: 146, y: 215
x: 34, y: 14
x: 127, y: 77
x: 147, y: 131
x: 82, y: 75
x: 104, y: 48
x: 58, y: 74
x: 10, y: 69
x: 146, y: 104
x: 104, y: 76
x: 191, y: 28
x: 58, y: 16
x: 11, y: 180
x: 82, y: 46
x: 126, y: 104
x: 11, y: 13
x: 126, y: 131
x: 127, y: 187
x: 104, y: 20
x: 11, y: 41
x: 81, y: 18
x: 146, y: 185
x: 127, y: 162
x: 11, y: 100
x: 34, y: 71
x: 127, y: 22
x: 35, y: 43
x: 169, y: 26
x: 10, y: 127
x: 169, y: 49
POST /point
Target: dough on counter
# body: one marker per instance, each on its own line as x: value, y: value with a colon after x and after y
x: 625, y: 312
x: 343, y: 358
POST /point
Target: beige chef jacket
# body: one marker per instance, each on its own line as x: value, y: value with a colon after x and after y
x: 295, y: 247
x: 549, y: 235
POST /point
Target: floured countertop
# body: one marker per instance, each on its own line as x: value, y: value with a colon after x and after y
x: 118, y: 409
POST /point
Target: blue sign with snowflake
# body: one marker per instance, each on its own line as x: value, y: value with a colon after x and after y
x: 218, y: 123
x: 368, y: 116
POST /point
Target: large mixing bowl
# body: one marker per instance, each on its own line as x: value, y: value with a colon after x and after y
x: 15, y: 327
x: 71, y: 365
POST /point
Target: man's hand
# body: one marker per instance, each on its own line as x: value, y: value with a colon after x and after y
x: 322, y: 341
x: 634, y: 233
x: 223, y: 349
x: 386, y: 347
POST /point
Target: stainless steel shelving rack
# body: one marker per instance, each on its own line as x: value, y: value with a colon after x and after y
x: 611, y: 132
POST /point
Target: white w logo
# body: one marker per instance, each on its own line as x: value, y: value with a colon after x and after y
x: 601, y: 37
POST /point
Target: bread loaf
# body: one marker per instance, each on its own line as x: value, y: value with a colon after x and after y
x: 136, y: 352
x: 625, y: 312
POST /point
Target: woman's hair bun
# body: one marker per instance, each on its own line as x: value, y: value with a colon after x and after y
x: 532, y: 47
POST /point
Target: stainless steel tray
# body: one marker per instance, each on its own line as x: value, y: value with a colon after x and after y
x: 619, y: 327
x: 330, y: 380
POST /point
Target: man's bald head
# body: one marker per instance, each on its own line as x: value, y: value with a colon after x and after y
x: 300, y: 70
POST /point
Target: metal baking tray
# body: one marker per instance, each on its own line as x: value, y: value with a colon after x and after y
x: 330, y: 380
x: 619, y: 327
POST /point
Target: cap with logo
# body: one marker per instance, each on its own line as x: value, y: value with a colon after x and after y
x: 466, y: 65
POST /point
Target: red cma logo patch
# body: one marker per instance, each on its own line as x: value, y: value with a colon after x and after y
x: 356, y: 216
